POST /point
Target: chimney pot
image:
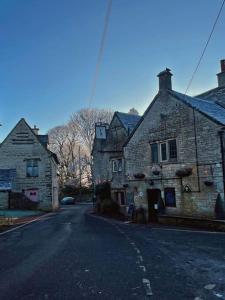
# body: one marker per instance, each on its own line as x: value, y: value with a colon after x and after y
x: 35, y: 130
x: 222, y: 64
x: 221, y: 75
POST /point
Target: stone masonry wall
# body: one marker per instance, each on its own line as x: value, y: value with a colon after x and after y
x: 19, y: 146
x: 168, y: 118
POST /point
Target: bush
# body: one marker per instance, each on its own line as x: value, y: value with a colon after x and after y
x: 140, y: 215
x: 109, y: 207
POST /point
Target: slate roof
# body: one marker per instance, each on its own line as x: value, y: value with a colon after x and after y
x: 209, y: 108
x: 129, y: 121
x: 217, y: 94
x: 7, y: 174
x: 43, y: 138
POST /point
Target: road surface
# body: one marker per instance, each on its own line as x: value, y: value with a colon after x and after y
x: 75, y: 255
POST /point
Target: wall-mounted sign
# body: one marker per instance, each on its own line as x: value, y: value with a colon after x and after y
x: 32, y: 194
x: 186, y: 188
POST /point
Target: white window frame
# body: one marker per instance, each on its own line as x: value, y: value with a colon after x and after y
x: 119, y: 168
x: 160, y: 151
x: 166, y: 142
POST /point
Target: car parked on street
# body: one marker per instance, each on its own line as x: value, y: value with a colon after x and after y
x: 67, y: 201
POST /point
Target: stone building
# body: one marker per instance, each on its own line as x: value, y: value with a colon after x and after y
x: 174, y: 158
x: 28, y: 170
x: 108, y: 161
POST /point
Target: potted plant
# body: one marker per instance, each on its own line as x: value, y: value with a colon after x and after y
x: 155, y: 172
x: 208, y: 182
x: 183, y: 172
x: 139, y: 175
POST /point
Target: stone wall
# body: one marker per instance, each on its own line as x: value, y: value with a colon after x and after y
x: 198, y: 147
x: 19, y: 146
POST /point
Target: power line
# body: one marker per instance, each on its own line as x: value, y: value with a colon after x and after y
x: 101, y: 50
x: 206, y: 45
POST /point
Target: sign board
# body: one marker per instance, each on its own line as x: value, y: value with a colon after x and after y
x: 186, y: 188
x: 32, y: 194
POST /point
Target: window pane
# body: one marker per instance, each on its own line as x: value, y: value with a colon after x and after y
x: 32, y: 168
x: 163, y: 152
x: 120, y: 165
x: 173, y: 149
x: 170, y: 198
x: 114, y: 166
x: 154, y: 152
x: 35, y: 171
x: 29, y: 171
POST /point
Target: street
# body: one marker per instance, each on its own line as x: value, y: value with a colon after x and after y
x: 76, y: 255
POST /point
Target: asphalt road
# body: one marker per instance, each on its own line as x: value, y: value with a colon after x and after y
x: 74, y: 255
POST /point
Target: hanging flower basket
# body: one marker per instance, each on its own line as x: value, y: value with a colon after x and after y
x: 139, y: 175
x: 208, y: 183
x: 155, y: 172
x: 184, y: 172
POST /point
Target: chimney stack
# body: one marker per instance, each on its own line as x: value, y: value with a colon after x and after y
x: 221, y: 75
x: 35, y: 130
x: 165, y: 82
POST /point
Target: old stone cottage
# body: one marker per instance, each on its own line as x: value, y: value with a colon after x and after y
x: 175, y: 155
x: 28, y: 170
x: 108, y: 161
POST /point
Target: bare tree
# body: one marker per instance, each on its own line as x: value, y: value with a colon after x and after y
x: 133, y: 111
x: 84, y: 120
x: 64, y: 142
x: 73, y: 144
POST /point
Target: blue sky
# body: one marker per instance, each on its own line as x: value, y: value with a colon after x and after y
x: 49, y: 50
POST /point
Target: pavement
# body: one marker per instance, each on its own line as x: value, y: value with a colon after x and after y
x: 76, y: 255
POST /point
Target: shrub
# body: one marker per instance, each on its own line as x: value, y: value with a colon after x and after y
x: 109, y: 207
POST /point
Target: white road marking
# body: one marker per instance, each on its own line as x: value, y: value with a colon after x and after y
x: 142, y: 268
x: 140, y: 258
x: 137, y: 250
x: 147, y: 286
x: 27, y: 223
x: 146, y: 282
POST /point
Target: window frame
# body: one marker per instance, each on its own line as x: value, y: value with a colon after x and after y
x: 119, y: 165
x: 168, y: 152
x: 32, y: 168
x: 114, y: 166
x: 160, y: 151
x: 157, y: 148
x: 169, y: 149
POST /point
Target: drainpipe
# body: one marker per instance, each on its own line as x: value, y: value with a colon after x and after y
x: 221, y: 132
x: 196, y: 151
